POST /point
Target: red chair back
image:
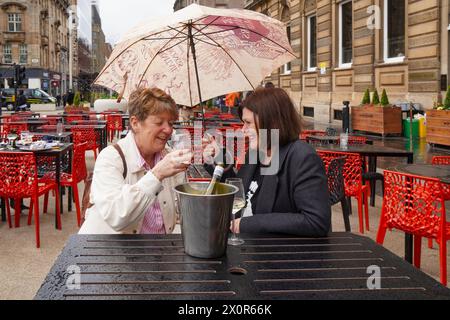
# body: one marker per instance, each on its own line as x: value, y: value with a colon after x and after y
x: 18, y: 177
x: 114, y: 122
x: 352, y: 168
x: 441, y: 160
x: 79, y: 171
x: 306, y: 133
x: 413, y: 204
x: 81, y: 135
x: 355, y: 140
x: 17, y: 128
x: 71, y: 118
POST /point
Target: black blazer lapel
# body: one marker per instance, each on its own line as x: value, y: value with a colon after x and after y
x: 267, y: 194
x: 246, y: 174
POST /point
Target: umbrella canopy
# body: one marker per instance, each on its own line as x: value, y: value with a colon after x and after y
x: 198, y: 52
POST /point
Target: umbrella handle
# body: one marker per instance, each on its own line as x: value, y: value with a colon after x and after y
x: 120, y: 97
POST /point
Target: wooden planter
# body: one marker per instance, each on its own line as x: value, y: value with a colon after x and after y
x: 376, y: 119
x: 438, y: 127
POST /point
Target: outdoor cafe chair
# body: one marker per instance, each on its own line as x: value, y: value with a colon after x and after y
x: 17, y: 128
x: 306, y: 133
x: 354, y: 186
x: 443, y: 160
x: 336, y: 187
x: 415, y: 204
x: 81, y: 135
x: 19, y: 180
x: 74, y: 117
x: 78, y: 174
x: 113, y: 125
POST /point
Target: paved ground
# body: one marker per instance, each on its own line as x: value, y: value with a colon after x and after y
x: 23, y: 267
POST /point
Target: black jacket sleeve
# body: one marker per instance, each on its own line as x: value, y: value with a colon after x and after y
x: 301, y: 181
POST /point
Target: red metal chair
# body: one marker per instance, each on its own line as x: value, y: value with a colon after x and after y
x: 354, y: 186
x: 306, y: 133
x: 114, y: 125
x: 81, y: 135
x: 415, y: 205
x: 17, y: 128
x: 79, y: 173
x: 443, y: 160
x: 19, y: 180
x: 72, y: 117
x: 355, y: 140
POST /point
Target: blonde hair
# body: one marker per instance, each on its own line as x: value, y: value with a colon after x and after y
x: 144, y: 102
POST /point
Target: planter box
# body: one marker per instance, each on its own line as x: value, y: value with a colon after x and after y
x: 438, y: 127
x: 380, y: 120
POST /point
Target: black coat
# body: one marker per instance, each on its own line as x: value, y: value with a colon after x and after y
x: 295, y: 200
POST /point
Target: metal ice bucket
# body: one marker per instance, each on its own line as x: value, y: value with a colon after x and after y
x: 205, y: 220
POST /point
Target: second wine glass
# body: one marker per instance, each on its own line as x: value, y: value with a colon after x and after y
x: 238, y: 205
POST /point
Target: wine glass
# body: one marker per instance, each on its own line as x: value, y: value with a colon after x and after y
x: 11, y: 138
x: 238, y: 205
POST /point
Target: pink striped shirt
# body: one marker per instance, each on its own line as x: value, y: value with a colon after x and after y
x: 153, y: 220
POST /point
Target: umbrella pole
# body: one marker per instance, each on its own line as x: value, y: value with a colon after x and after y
x: 194, y: 57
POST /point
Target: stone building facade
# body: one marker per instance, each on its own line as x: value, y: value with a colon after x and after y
x: 34, y: 33
x: 347, y: 46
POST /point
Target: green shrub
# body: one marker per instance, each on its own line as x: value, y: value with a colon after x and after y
x: 366, y: 98
x: 447, y: 100
x: 76, y: 99
x: 376, y: 98
x: 384, y: 98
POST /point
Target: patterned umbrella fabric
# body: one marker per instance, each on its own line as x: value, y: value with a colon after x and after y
x: 198, y: 51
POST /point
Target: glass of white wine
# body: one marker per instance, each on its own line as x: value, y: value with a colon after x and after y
x: 238, y: 204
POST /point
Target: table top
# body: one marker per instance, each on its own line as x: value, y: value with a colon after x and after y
x: 369, y: 150
x: 53, y: 151
x: 441, y: 172
x: 277, y: 267
x: 81, y: 126
x: 51, y: 134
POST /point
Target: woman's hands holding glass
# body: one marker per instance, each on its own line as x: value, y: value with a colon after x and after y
x: 172, y: 164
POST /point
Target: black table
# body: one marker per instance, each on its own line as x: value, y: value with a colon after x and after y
x: 441, y: 172
x: 100, y: 129
x: 277, y: 267
x: 65, y: 137
x: 57, y: 154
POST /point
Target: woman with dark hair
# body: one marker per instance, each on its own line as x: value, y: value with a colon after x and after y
x: 286, y: 189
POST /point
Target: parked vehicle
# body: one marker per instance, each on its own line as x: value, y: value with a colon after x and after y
x: 34, y: 96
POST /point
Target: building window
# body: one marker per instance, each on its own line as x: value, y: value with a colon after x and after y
x: 14, y: 22
x: 312, y: 43
x: 287, y: 67
x: 308, y: 112
x: 345, y: 34
x: 337, y: 114
x: 7, y: 54
x: 23, y: 49
x: 394, y: 30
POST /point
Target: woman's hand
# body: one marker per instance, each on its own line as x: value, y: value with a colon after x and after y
x: 210, y: 149
x: 236, y: 228
x: 172, y: 164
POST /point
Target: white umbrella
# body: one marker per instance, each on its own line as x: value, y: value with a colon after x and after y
x: 198, y: 53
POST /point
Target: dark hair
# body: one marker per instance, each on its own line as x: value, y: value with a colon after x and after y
x: 274, y: 110
x: 269, y: 85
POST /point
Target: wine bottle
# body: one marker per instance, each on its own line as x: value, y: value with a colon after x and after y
x: 217, y: 175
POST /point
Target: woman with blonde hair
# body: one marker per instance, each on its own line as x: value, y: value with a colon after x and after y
x: 132, y: 185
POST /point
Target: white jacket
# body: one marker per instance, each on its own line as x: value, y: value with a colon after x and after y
x: 120, y: 205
